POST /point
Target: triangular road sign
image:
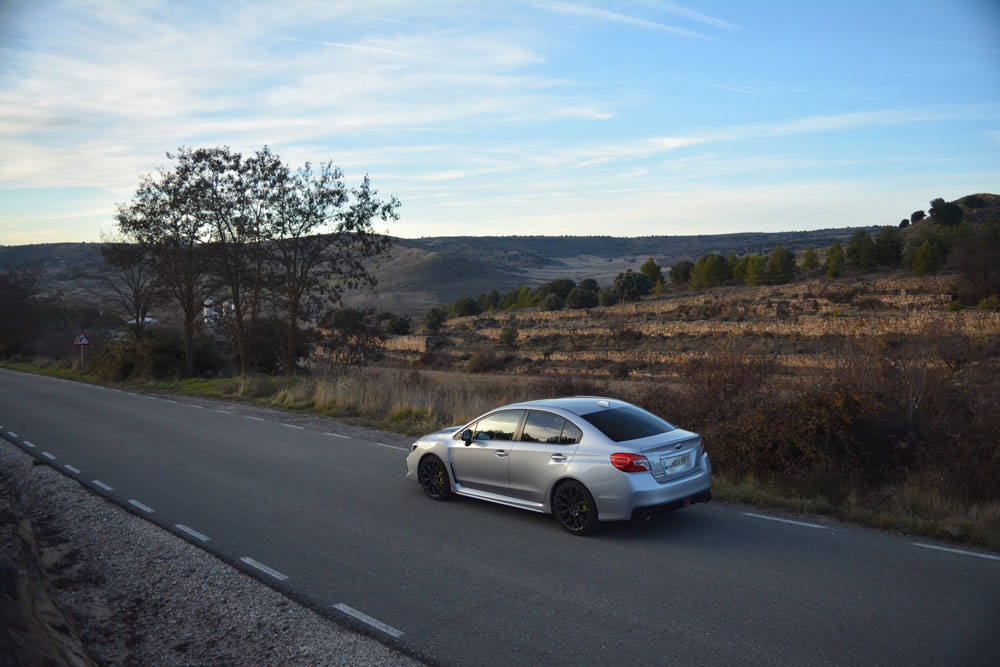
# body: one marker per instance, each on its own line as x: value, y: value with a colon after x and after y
x: 81, y: 340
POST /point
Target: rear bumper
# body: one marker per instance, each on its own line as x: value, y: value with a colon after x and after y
x: 636, y: 495
x: 653, y: 512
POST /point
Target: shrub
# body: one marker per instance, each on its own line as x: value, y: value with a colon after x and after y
x: 434, y: 319
x: 581, y: 298
x: 485, y: 360
x: 508, y: 336
x: 552, y: 302
x: 632, y: 286
x: 989, y: 303
x: 607, y: 297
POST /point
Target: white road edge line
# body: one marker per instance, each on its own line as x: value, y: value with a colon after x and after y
x: 72, y: 469
x: 301, y: 428
x: 797, y: 523
x: 382, y: 444
x: 955, y: 551
x: 264, y: 568
x: 101, y: 485
x: 256, y: 419
x: 192, y: 532
x: 365, y: 618
x: 28, y: 444
x: 144, y: 508
x: 337, y: 435
x: 50, y: 457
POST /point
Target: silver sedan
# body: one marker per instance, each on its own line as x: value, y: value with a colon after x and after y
x: 582, y: 459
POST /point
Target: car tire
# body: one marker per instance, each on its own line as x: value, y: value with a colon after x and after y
x: 574, y: 508
x: 433, y: 478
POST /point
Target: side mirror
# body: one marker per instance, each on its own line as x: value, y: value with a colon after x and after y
x: 467, y: 436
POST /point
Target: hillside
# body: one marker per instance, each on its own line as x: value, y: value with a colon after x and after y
x: 424, y: 272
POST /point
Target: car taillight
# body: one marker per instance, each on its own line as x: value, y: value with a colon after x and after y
x: 630, y: 462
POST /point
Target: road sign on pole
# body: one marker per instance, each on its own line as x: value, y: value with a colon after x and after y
x: 81, y: 342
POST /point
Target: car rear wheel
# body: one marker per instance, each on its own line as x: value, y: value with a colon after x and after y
x: 434, y: 478
x: 574, y: 508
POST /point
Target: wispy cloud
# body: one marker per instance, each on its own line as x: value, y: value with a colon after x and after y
x: 615, y: 17
x: 714, y: 85
x: 686, y: 13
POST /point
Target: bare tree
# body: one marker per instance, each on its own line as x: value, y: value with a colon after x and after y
x: 160, y: 218
x: 316, y: 268
x: 129, y: 273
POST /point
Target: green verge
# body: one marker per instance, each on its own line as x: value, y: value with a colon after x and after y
x: 908, y: 511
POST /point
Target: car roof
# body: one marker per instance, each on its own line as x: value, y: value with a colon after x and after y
x: 578, y: 405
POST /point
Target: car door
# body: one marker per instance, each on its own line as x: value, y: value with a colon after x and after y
x: 482, y: 464
x: 546, y: 445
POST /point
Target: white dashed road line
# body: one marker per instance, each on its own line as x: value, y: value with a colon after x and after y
x: 337, y: 435
x: 101, y: 485
x: 192, y: 532
x: 50, y: 457
x: 365, y: 618
x: 225, y: 412
x: 258, y: 419
x: 72, y: 469
x: 12, y: 434
x: 301, y: 428
x: 264, y: 568
x: 28, y: 444
x: 382, y: 444
x: 797, y: 523
x: 144, y: 508
x: 169, y: 400
x: 196, y: 406
x: 955, y: 551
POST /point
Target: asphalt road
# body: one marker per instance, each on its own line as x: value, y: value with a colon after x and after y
x: 323, y: 512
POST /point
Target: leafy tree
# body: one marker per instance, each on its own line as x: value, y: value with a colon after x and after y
x: 939, y: 242
x: 434, y: 319
x: 780, y: 266
x: 391, y: 323
x: 652, y: 271
x: 889, y: 247
x: 525, y: 298
x: 976, y: 259
x: 561, y: 287
x: 917, y: 216
x: 945, y: 213
x: 834, y: 261
x: 464, y: 307
x: 632, y: 286
x: 489, y: 302
x: 608, y: 296
x: 552, y: 302
x: 860, y: 253
x: 974, y: 201
x: 581, y: 298
x: 680, y: 273
x: 926, y: 260
x: 590, y: 285
x: 810, y: 261
x: 709, y: 271
x: 904, y: 223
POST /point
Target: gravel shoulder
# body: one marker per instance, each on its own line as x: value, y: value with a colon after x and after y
x: 82, y: 582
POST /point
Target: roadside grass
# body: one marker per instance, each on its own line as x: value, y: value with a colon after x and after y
x: 416, y: 402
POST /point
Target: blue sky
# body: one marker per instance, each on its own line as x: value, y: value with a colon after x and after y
x: 621, y: 118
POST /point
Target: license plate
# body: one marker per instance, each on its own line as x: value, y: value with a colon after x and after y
x: 677, y: 463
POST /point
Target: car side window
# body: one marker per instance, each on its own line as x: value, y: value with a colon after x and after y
x: 571, y: 434
x: 542, y: 427
x: 499, y: 426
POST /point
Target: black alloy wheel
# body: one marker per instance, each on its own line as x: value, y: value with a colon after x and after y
x: 574, y: 508
x: 434, y: 478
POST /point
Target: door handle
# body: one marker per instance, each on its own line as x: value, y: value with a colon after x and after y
x: 501, y: 453
x: 558, y: 457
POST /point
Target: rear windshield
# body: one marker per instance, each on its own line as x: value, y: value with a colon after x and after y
x: 627, y: 423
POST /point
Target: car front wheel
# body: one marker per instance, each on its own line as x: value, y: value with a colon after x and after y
x: 574, y: 508
x: 434, y: 478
